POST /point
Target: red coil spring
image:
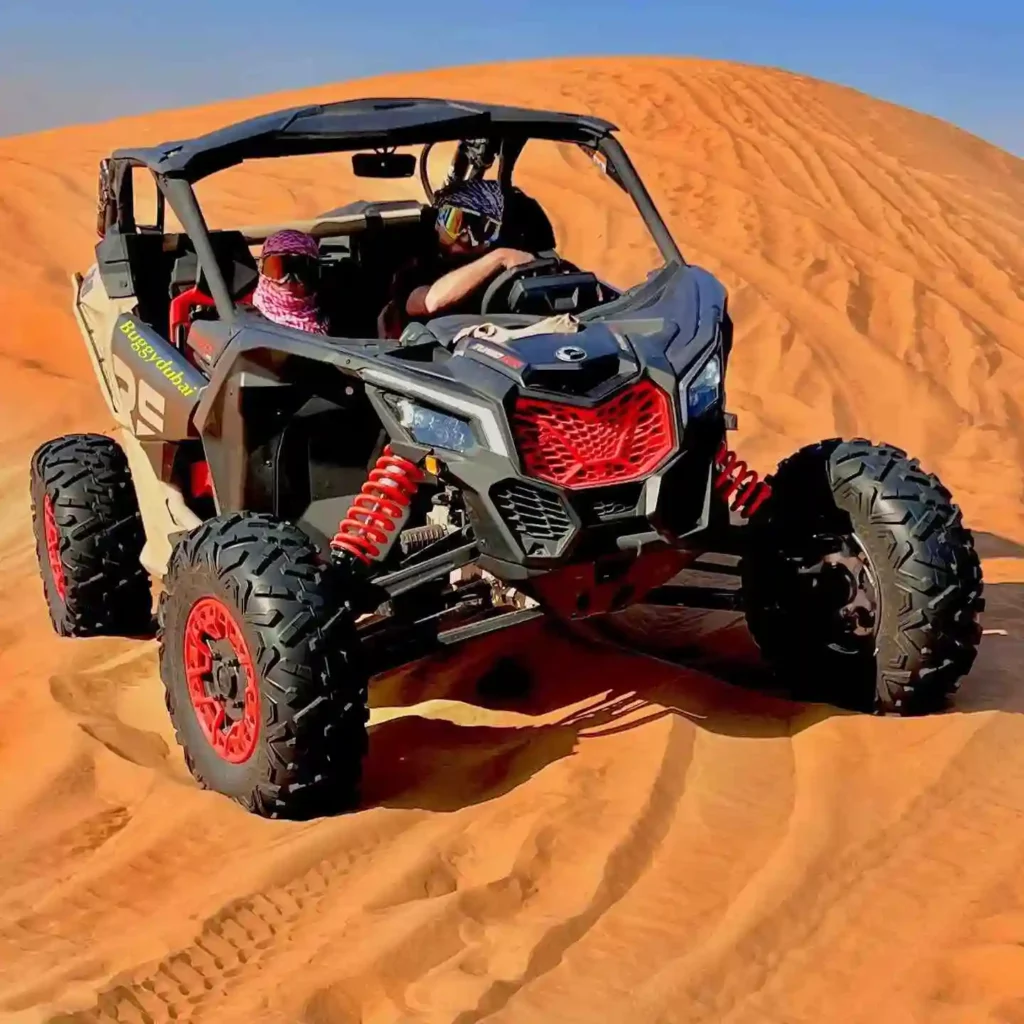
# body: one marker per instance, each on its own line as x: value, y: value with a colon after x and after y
x: 737, y: 484
x: 382, y: 505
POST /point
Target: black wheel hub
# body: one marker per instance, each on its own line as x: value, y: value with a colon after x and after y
x: 227, y: 679
x: 834, y: 587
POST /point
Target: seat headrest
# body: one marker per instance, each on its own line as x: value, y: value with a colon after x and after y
x: 237, y: 264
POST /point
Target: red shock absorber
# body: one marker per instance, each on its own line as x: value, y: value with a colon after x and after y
x: 378, y: 513
x: 737, y: 484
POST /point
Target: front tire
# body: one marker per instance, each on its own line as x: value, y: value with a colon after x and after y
x: 861, y: 584
x: 260, y: 660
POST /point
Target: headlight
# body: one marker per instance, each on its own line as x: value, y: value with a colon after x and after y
x: 436, y: 429
x: 706, y: 388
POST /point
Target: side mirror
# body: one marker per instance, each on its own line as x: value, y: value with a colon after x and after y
x: 383, y: 165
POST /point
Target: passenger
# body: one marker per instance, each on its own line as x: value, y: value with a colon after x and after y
x: 289, y: 266
x: 451, y: 277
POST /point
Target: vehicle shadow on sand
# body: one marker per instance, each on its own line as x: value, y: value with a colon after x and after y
x: 469, y: 725
x: 989, y: 545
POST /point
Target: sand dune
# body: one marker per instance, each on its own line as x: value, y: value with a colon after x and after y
x: 629, y: 840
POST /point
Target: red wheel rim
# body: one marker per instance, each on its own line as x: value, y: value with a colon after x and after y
x: 221, y: 680
x: 52, y: 536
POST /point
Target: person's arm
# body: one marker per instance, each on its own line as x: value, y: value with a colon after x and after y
x: 460, y: 283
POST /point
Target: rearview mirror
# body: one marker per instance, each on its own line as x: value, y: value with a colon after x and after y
x: 383, y: 165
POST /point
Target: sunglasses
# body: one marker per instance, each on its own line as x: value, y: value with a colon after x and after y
x: 460, y: 224
x: 285, y: 267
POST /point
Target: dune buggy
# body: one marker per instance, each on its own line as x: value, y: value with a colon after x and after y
x: 316, y: 508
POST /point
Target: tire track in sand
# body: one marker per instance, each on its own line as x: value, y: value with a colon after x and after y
x: 236, y: 940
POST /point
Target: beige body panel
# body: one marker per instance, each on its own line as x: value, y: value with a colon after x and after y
x: 162, y: 505
x: 96, y: 313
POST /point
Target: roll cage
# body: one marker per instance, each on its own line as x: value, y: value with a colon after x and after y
x: 349, y: 126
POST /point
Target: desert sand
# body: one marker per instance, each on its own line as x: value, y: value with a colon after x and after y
x: 632, y: 840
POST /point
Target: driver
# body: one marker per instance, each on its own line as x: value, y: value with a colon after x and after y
x: 451, y: 278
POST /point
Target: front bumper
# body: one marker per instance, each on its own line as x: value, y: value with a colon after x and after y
x: 525, y: 521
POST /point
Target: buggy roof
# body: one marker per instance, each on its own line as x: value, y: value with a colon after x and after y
x: 355, y: 124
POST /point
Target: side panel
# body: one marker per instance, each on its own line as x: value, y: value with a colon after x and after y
x: 144, y: 395
x: 157, y: 390
x: 298, y: 447
x: 96, y: 313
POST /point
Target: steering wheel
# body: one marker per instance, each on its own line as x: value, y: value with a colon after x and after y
x: 496, y: 297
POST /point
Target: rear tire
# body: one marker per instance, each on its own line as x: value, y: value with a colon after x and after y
x: 861, y: 584
x: 261, y: 663
x: 89, y: 536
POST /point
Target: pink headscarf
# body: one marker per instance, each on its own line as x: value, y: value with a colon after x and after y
x: 274, y: 300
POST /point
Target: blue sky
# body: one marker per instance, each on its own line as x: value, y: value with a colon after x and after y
x: 65, y: 61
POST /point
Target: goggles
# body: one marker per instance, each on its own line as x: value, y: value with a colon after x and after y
x: 460, y: 224
x: 286, y: 267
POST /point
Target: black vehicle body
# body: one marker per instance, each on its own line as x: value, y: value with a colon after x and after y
x: 282, y: 434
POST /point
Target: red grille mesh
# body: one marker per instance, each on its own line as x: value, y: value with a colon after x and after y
x: 621, y: 439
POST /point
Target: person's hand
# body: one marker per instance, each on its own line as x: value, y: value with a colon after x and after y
x: 509, y: 258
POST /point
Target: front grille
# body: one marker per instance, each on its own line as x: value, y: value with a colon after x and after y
x: 537, y: 518
x: 621, y: 439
